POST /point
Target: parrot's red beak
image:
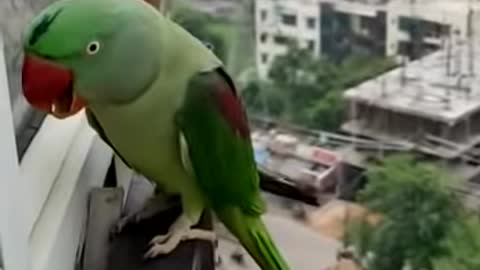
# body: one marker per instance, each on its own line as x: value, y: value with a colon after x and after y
x: 47, y: 86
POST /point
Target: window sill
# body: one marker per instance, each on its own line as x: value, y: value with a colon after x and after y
x: 63, y: 162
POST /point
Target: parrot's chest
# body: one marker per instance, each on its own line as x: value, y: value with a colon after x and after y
x: 147, y: 141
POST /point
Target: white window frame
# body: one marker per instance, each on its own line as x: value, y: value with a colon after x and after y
x: 13, y: 232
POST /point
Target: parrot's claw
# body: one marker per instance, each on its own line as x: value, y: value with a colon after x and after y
x: 164, y: 244
x: 179, y: 231
x: 152, y: 207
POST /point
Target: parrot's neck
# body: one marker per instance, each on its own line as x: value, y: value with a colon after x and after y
x: 181, y: 56
x: 184, y: 53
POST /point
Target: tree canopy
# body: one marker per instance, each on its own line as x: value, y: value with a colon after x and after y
x: 463, y: 244
x: 423, y: 225
x: 308, y: 90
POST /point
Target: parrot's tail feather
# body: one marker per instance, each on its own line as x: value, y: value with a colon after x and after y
x: 269, y: 256
x: 254, y: 236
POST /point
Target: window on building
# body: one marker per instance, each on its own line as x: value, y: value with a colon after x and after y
x: 280, y: 40
x: 367, y: 23
x: 311, y: 23
x: 311, y: 45
x: 289, y: 19
x: 263, y: 15
x: 436, y: 30
x: 264, y: 58
x: 263, y: 37
x: 405, y: 48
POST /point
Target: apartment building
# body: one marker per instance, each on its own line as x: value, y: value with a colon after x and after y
x: 417, y: 28
x: 277, y: 21
x: 221, y: 8
x: 352, y: 26
x: 403, y: 29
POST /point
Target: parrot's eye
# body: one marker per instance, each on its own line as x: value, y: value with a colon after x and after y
x: 209, y: 46
x: 93, y: 47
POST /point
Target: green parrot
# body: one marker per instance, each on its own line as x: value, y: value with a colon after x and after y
x: 164, y: 103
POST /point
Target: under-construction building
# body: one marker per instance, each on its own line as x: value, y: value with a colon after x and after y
x: 430, y: 106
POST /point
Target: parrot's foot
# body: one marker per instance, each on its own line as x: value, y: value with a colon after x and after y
x: 151, y: 208
x: 179, y: 231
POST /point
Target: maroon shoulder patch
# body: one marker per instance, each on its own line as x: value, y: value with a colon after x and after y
x: 231, y: 108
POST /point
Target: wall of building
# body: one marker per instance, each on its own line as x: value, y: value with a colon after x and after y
x: 375, y: 27
x: 441, y: 20
x: 279, y: 20
x: 387, y: 123
x: 346, y: 30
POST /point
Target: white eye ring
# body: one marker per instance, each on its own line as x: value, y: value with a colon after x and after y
x: 93, y: 47
x: 209, y: 45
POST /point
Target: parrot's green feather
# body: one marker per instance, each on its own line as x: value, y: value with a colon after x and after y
x: 222, y: 160
x: 211, y: 122
x: 93, y: 122
x: 46, y: 34
x: 254, y: 236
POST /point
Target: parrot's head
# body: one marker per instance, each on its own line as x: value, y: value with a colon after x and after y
x: 89, y: 52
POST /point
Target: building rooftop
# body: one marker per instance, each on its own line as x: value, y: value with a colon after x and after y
x: 443, y: 86
x: 446, y: 5
x: 216, y: 7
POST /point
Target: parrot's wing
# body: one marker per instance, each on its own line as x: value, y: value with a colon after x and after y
x: 215, y: 142
x: 93, y: 122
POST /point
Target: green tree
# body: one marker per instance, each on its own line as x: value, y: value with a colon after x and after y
x: 419, y: 212
x: 327, y: 113
x: 301, y: 79
x: 261, y: 98
x: 463, y: 244
x: 310, y: 89
x: 303, y: 82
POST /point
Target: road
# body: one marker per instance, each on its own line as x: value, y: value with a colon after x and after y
x: 302, y: 247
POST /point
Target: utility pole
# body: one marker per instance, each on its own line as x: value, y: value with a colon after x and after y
x: 470, y: 38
